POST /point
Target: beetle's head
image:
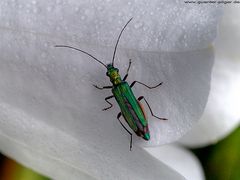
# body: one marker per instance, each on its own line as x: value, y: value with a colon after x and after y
x: 113, y: 74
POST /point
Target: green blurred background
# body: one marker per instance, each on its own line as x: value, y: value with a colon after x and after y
x: 220, y: 162
x: 11, y: 170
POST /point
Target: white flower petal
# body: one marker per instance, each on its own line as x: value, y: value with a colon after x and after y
x: 222, y: 113
x: 62, y: 156
x: 180, y: 159
x: 56, y: 84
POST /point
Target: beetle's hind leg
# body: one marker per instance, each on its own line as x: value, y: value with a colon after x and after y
x: 118, y: 117
x: 106, y: 99
x: 142, y: 97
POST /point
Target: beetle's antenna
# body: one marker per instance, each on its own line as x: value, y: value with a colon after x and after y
x: 82, y: 52
x: 118, y: 41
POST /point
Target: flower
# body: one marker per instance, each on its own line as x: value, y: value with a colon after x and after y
x: 50, y: 114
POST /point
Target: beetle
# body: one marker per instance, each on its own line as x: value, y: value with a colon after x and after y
x: 130, y: 106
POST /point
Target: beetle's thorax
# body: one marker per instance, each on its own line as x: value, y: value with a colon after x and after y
x: 113, y: 74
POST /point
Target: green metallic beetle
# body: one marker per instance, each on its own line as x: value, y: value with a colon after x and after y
x: 131, y: 108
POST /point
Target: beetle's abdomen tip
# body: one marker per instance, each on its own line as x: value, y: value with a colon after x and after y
x: 146, y: 136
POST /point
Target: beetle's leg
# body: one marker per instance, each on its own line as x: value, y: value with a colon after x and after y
x: 129, y: 65
x: 118, y: 117
x: 142, y: 97
x: 104, y: 87
x: 133, y: 83
x: 106, y: 99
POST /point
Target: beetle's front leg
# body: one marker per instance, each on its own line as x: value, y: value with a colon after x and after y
x: 129, y: 65
x: 106, y: 99
x: 104, y: 87
x: 149, y: 87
